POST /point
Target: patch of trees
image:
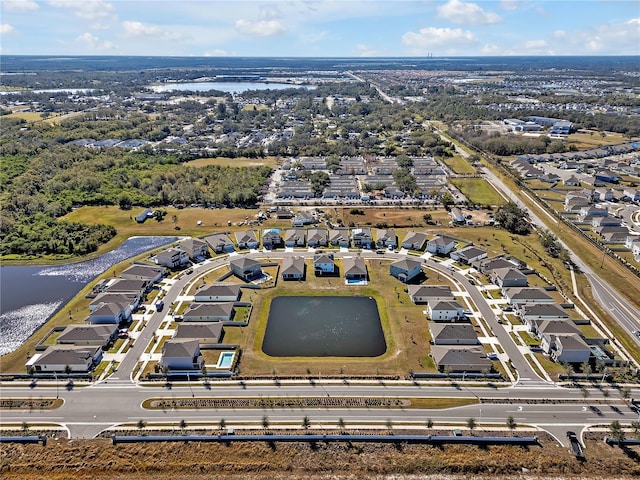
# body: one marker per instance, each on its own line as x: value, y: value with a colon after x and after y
x: 513, y: 219
x: 404, y: 180
x: 552, y: 246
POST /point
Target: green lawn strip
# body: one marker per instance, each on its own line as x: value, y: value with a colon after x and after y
x: 478, y: 190
x: 306, y: 402
x: 459, y: 165
x: 30, y: 403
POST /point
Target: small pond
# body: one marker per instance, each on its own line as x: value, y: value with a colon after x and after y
x: 324, y: 327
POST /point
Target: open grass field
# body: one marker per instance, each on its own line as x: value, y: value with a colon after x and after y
x: 459, y: 165
x: 233, y: 162
x: 478, y: 190
x: 589, y: 139
x: 98, y: 459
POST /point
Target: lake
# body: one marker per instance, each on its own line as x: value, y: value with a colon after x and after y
x: 32, y: 294
x: 229, y: 87
x: 324, y: 327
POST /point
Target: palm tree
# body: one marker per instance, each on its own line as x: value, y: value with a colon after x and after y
x: 306, y: 423
x: 471, y: 424
x: 174, y: 219
x: 586, y: 368
x: 389, y: 424
x: 616, y: 430
x: 636, y: 428
x: 429, y: 423
x: 511, y: 423
x: 222, y: 423
x: 341, y: 423
x: 265, y: 422
x: 585, y: 392
x: 625, y: 393
x: 183, y: 425
x: 141, y: 424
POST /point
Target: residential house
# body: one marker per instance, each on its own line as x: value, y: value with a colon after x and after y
x: 441, y: 245
x: 107, y: 313
x: 457, y: 217
x: 292, y: 268
x: 247, y: 239
x: 63, y: 358
x: 324, y: 264
x: 607, y: 176
x: 603, y: 194
x: 501, y: 261
x: 301, y: 219
x: 386, y: 238
x: 148, y: 273
x: 197, y: 249
x: 540, y: 311
x: 126, y: 302
x: 362, y: 237
x: 468, y: 255
x: 614, y: 237
x: 98, y: 335
x: 508, y: 277
x: 551, y: 326
x: 516, y: 295
x: 204, y: 333
x: 172, y: 258
x: 632, y: 194
x: 572, y: 181
x: 209, y: 312
x: 181, y: 354
x: 354, y: 268
x: 430, y: 293
x: 570, y: 349
x: 414, y: 240
x: 218, y: 292
x: 246, y: 268
x: 460, y: 359
x: 295, y: 237
x: 405, y: 269
x: 453, y: 334
x: 220, y: 243
x: 123, y: 285
x: 446, y: 310
x: 339, y: 237
x: 605, y: 222
x: 272, y: 238
x: 317, y: 237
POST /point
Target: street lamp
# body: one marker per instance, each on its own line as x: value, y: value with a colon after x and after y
x: 57, y: 385
x: 189, y: 383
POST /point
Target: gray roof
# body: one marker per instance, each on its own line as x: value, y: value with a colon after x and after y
x: 406, y: 263
x: 120, y: 299
x: 446, y: 305
x: 526, y: 293
x: 441, y: 240
x: 354, y: 266
x: 470, y: 252
x: 243, y: 262
x: 106, y: 309
x: 180, y: 348
x: 555, y: 327
x: 200, y: 331
x: 295, y: 234
x: 571, y: 342
x: 415, y: 238
x: 246, y: 236
x: 86, y: 333
x: 460, y: 357
x: 126, y: 285
x: 144, y: 271
x: 292, y: 266
x: 219, y: 290
x: 323, y: 258
x: 67, y: 355
x: 430, y: 291
x: 508, y: 273
x: 223, y: 309
x: 452, y: 331
x: 539, y: 309
x: 317, y: 234
x: 218, y: 240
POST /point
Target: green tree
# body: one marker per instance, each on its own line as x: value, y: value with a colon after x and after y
x: 222, y: 424
x: 306, y: 423
x: 341, y: 423
x: 141, y: 424
x: 429, y: 423
x: 265, y: 422
x: 447, y: 200
x: 615, y: 429
x: 183, y: 425
x: 511, y: 423
x: 471, y: 423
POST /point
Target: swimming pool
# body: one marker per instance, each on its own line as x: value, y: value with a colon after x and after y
x: 225, y: 360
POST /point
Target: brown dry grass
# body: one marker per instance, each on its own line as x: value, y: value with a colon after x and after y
x: 99, y: 459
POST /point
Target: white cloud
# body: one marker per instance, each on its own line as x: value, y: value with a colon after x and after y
x: 609, y: 39
x: 535, y: 44
x: 260, y: 28
x: 314, y: 37
x: 463, y: 13
x: 491, y: 49
x: 87, y: 9
x: 216, y: 52
x: 363, y: 50
x: 559, y: 34
x: 6, y: 29
x: 94, y: 42
x: 430, y: 37
x: 19, y: 5
x: 509, y: 5
x: 142, y: 30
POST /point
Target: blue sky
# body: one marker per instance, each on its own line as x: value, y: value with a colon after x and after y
x: 324, y: 28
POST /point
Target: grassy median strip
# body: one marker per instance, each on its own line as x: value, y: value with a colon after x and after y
x: 308, y: 402
x: 30, y: 403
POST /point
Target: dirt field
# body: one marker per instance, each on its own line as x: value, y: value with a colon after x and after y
x: 99, y: 459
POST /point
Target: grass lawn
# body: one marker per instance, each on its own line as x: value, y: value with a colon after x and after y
x: 594, y: 139
x: 459, y: 165
x: 478, y: 190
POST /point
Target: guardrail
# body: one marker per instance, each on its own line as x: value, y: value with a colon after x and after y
x: 24, y: 439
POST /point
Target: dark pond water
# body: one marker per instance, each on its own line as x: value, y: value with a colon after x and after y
x: 324, y: 327
x: 30, y: 295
